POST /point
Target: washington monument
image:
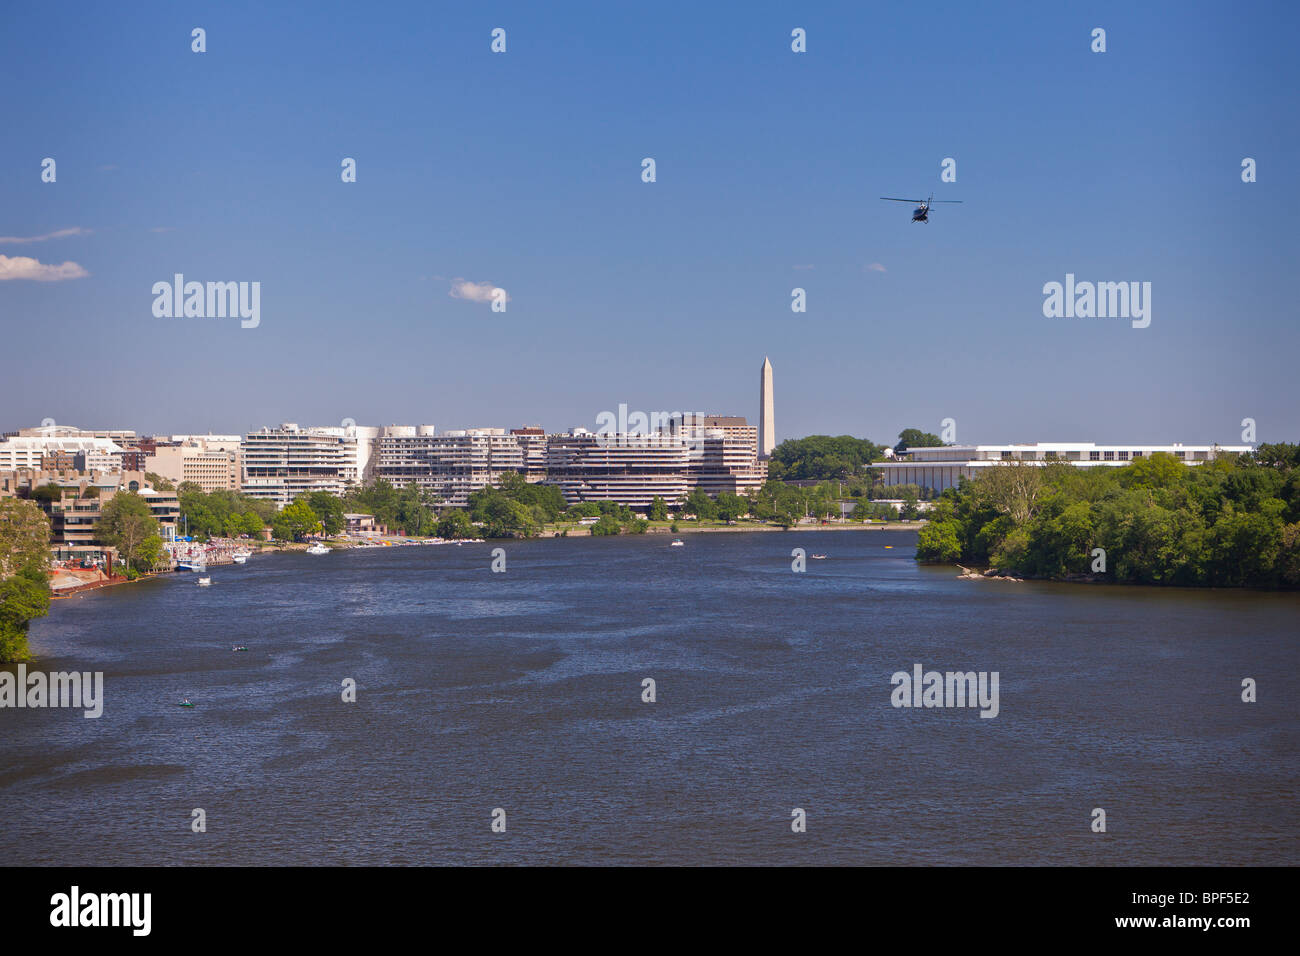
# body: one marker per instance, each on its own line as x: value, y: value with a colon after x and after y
x: 766, y: 430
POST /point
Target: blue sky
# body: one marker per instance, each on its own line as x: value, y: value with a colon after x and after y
x: 523, y: 170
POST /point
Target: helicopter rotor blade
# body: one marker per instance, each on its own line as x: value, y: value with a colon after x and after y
x: 945, y: 200
x: 893, y: 199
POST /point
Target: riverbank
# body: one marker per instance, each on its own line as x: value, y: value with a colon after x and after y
x: 691, y: 527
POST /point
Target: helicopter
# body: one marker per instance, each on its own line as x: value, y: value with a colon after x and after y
x: 921, y: 213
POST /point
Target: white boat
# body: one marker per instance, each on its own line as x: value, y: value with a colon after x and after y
x: 240, y: 556
x: 205, y: 582
x: 318, y: 548
x: 677, y: 543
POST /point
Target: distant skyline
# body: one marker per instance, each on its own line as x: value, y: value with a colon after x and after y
x: 522, y: 171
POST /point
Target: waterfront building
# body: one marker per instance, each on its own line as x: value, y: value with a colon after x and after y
x: 359, y: 523
x: 75, y: 514
x: 627, y: 469
x: 944, y: 466
x: 532, y: 442
x: 724, y: 453
x: 281, y: 463
x: 452, y: 465
x: 211, y: 468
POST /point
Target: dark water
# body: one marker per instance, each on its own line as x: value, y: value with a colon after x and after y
x: 522, y: 691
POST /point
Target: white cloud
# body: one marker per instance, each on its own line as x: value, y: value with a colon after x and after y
x: 57, y: 234
x: 473, y: 291
x: 22, y: 267
x: 876, y: 267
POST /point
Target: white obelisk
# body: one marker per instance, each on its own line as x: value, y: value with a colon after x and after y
x: 766, y: 429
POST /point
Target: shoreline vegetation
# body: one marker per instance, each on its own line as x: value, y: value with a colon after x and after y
x: 1230, y: 522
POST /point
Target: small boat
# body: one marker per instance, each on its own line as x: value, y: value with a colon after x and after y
x: 184, y: 702
x: 318, y: 548
x: 888, y: 546
x: 677, y: 543
x: 205, y: 582
x: 239, y: 647
x: 817, y: 557
x: 240, y: 556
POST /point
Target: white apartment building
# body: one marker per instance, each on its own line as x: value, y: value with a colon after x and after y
x: 281, y: 463
x: 629, y: 469
x: 125, y: 437
x: 452, y: 465
x: 945, y: 466
x: 28, y: 451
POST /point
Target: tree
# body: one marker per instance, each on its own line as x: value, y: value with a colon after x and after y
x: 1012, y: 488
x: 24, y: 536
x: 915, y: 438
x: 151, y: 554
x: 222, y: 512
x: 938, y: 542
x: 822, y: 457
x: 328, y: 510
x: 296, y: 521
x: 24, y: 596
x: 1227, y: 522
x: 47, y: 492
x: 658, y: 510
x: 456, y: 524
x: 701, y: 505
x: 252, y: 524
x: 608, y: 524
x: 583, y: 509
x: 1160, y: 470
x: 731, y: 506
x: 124, y: 522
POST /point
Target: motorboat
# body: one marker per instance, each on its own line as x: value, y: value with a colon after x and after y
x: 677, y: 543
x: 318, y: 548
x: 205, y: 582
x: 240, y: 556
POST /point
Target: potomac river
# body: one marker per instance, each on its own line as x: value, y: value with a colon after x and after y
x: 523, y: 691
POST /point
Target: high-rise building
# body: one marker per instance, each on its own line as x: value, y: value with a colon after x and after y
x: 532, y: 439
x: 213, y: 467
x: 631, y: 470
x: 766, y: 428
x: 453, y: 465
x: 282, y: 463
x: 724, y: 453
